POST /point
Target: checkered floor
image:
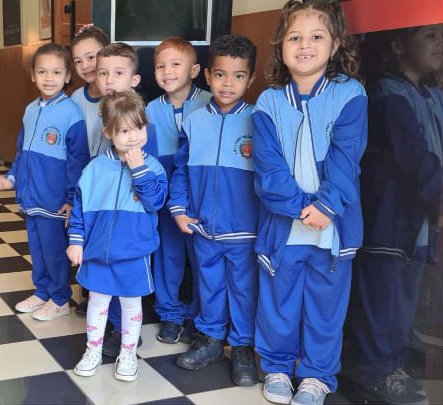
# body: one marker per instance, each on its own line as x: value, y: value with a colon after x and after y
x: 36, y: 358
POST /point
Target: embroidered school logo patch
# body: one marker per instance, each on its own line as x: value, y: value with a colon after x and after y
x: 51, y: 136
x: 243, y: 146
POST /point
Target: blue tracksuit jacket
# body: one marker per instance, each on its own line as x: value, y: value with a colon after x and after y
x: 160, y: 112
x: 337, y: 113
x: 399, y: 171
x: 52, y: 150
x: 213, y: 181
x: 114, y: 216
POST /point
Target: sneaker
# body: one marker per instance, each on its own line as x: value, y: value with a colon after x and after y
x: 203, y: 350
x: 51, y: 311
x: 89, y: 363
x: 393, y: 389
x: 82, y: 308
x: 111, y: 346
x: 310, y: 392
x: 244, y: 369
x: 126, y: 366
x: 30, y: 304
x: 278, y: 388
x: 170, y: 332
x: 189, y: 332
x: 412, y: 384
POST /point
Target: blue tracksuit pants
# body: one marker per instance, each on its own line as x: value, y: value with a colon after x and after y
x: 51, y: 269
x: 300, y: 315
x: 384, y: 298
x: 227, y: 283
x: 169, y: 265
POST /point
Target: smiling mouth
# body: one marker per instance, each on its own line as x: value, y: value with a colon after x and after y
x: 304, y: 57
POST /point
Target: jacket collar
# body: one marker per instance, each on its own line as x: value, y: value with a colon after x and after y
x: 193, y: 94
x: 53, y: 100
x: 213, y: 108
x: 293, y: 96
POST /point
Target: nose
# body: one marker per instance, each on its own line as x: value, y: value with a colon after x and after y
x: 227, y: 81
x: 304, y: 42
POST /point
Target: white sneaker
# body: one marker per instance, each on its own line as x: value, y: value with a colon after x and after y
x: 126, y: 366
x: 51, y: 311
x: 278, y: 388
x: 90, y: 361
x: 30, y: 304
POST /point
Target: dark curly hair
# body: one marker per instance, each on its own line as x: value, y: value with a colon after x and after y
x: 90, y: 31
x: 345, y: 60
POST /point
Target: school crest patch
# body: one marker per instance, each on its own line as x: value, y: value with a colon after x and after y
x: 51, y: 136
x: 243, y: 146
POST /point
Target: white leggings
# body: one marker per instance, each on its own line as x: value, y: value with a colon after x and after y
x: 97, y: 316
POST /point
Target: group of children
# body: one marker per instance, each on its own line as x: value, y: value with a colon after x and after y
x: 277, y: 182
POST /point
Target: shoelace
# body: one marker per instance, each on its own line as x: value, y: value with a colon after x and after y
x: 282, y: 378
x: 313, y: 387
x: 91, y: 354
x: 395, y: 383
x: 126, y: 359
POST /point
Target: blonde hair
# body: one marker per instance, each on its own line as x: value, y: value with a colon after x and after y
x: 125, y: 105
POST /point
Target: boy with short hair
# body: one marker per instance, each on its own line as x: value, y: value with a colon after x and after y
x: 175, y: 65
x: 117, y: 71
x: 212, y: 197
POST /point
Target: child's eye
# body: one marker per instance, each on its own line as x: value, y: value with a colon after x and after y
x: 102, y: 73
x: 159, y: 67
x: 176, y: 64
x: 294, y: 38
x: 218, y: 75
x: 240, y: 76
x: 77, y: 62
x: 317, y: 37
x: 118, y: 72
x: 91, y: 57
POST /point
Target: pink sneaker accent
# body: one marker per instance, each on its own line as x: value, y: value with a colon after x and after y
x: 51, y: 311
x: 30, y: 304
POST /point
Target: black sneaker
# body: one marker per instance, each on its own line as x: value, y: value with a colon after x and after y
x: 394, y: 391
x: 170, y: 332
x: 204, y: 350
x: 189, y: 331
x: 111, y: 346
x: 244, y: 368
x: 82, y: 308
x: 411, y: 383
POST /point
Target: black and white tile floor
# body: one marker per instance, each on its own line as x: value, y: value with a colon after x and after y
x: 36, y: 358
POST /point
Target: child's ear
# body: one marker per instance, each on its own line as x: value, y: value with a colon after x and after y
x: 251, y: 80
x: 397, y: 48
x: 106, y: 133
x: 207, y: 75
x: 135, y: 81
x: 68, y: 78
x: 195, y: 70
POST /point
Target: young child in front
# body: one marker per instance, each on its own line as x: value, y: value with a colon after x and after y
x: 175, y: 65
x: 52, y: 149
x: 84, y: 47
x: 310, y: 131
x: 113, y: 230
x: 212, y: 197
x: 117, y: 70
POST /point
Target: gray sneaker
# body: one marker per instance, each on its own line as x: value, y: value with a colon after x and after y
x: 278, y: 388
x: 310, y: 392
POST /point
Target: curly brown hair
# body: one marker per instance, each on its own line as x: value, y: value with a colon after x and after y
x: 345, y: 59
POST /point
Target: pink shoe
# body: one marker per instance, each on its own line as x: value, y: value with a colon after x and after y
x: 51, y: 311
x: 30, y: 304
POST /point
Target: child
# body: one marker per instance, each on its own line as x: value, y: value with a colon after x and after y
x: 117, y: 67
x: 212, y: 197
x: 52, y: 149
x: 84, y: 47
x: 309, y: 135
x: 113, y: 230
x: 401, y: 197
x: 175, y: 67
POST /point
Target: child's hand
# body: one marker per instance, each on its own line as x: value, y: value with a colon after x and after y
x: 183, y: 221
x: 75, y: 254
x: 314, y: 219
x: 6, y: 184
x: 134, y: 158
x: 66, y: 209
